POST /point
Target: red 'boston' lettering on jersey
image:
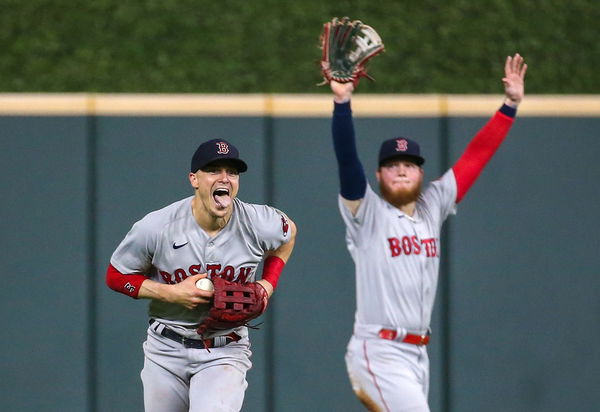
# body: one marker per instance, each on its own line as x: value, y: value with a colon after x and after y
x: 213, y: 269
x: 416, y: 245
x: 180, y: 275
x: 395, y: 246
x: 167, y: 277
x: 244, y: 273
x: 430, y: 247
x: 227, y: 273
x: 412, y: 245
x: 406, y: 245
x: 172, y: 278
x: 195, y: 270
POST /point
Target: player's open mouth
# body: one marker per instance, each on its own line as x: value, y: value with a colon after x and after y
x: 222, y: 198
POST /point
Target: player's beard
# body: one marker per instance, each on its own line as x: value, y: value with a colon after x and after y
x: 400, y: 197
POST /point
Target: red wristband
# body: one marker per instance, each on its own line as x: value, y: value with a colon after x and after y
x: 126, y: 284
x: 272, y: 270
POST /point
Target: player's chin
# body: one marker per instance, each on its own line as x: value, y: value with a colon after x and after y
x: 400, y: 196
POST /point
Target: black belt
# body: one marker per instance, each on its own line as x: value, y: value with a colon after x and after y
x: 198, y: 343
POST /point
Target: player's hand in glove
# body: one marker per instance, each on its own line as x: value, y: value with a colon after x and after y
x: 347, y: 46
x: 342, y: 92
x: 234, y: 304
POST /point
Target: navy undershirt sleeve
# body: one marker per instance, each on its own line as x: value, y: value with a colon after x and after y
x: 353, y: 183
x: 509, y: 111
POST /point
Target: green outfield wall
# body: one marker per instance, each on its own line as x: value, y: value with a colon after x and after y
x: 270, y: 46
x: 517, y: 313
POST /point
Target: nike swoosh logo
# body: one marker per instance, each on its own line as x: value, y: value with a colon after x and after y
x: 176, y: 246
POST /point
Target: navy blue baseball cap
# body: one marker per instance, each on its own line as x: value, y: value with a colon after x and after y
x: 400, y: 147
x: 217, y: 149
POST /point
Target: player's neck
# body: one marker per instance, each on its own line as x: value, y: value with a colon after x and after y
x: 210, y: 223
x: 408, y: 209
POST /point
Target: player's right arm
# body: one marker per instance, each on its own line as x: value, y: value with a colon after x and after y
x: 139, y: 286
x: 131, y: 262
x: 353, y: 183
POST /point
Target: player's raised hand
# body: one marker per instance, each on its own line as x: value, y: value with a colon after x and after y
x: 341, y: 91
x: 514, y: 79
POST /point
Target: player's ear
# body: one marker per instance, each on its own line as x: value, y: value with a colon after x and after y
x: 193, y: 180
x: 378, y: 174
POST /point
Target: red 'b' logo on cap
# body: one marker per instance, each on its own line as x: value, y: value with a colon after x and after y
x: 401, y: 145
x: 222, y: 148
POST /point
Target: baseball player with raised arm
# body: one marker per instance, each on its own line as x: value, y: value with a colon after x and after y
x: 394, y: 240
x: 191, y: 364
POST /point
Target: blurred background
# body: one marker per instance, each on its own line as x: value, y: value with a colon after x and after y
x: 103, y: 103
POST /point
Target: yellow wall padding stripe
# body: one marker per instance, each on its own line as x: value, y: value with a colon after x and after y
x: 288, y: 105
x: 44, y: 104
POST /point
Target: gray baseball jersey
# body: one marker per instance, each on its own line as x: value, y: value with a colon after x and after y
x: 397, y: 257
x: 169, y: 246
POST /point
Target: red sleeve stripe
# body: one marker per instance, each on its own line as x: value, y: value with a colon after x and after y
x: 479, y: 151
x: 127, y: 284
x: 272, y: 270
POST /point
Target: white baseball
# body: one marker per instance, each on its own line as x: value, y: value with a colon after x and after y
x: 205, y: 284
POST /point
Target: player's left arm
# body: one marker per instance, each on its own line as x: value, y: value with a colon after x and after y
x: 276, y: 259
x: 485, y: 143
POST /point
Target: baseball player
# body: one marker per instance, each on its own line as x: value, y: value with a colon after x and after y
x: 394, y: 240
x: 210, y: 234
